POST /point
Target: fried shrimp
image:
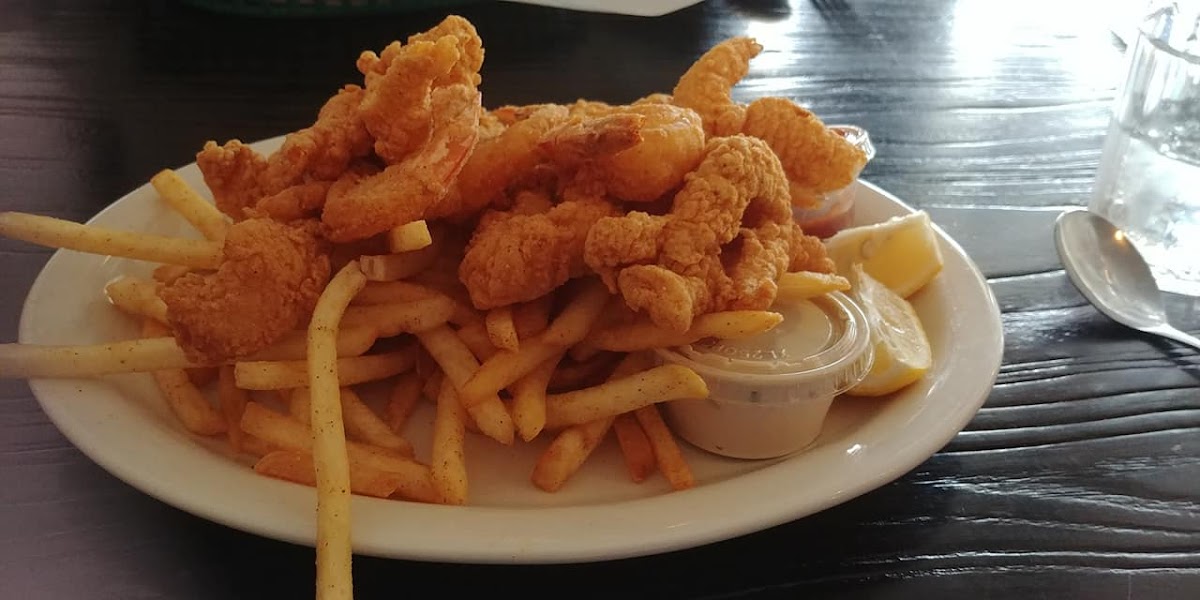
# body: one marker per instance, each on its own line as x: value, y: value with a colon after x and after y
x: 816, y: 159
x: 266, y: 286
x: 406, y: 191
x: 672, y: 145
x: 498, y: 162
x: 638, y: 153
x: 707, y: 85
x: 727, y: 238
x: 584, y: 140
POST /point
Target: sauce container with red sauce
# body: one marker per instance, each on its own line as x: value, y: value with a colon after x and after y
x: 836, y: 209
x: 769, y: 394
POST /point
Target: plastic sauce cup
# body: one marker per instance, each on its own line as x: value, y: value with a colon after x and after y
x: 836, y: 209
x: 769, y: 395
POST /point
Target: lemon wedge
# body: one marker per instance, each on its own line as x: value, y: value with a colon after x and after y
x: 902, y: 351
x: 901, y: 253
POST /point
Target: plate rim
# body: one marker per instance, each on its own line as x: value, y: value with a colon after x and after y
x: 546, y: 547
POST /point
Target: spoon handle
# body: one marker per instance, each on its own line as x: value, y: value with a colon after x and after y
x: 1170, y: 332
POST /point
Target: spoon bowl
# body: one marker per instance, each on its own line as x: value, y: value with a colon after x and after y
x: 1110, y: 272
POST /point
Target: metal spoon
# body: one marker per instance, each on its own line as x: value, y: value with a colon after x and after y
x: 1112, y: 275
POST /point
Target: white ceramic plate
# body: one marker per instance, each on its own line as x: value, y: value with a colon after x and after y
x: 123, y: 425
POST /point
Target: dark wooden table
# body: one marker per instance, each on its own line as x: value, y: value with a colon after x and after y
x: 1080, y: 477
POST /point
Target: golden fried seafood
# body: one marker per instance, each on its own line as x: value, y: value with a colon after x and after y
x: 297, y: 202
x: 470, y: 50
x: 406, y: 191
x: 706, y: 86
x: 637, y: 153
x: 672, y: 145
x: 397, y: 105
x: 323, y: 150
x: 686, y: 262
x: 239, y: 177
x: 816, y: 159
x: 233, y: 172
x: 515, y: 257
x: 582, y: 141
x: 267, y: 284
x: 497, y: 163
x: 808, y: 254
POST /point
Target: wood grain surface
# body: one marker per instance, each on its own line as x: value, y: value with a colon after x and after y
x: 1079, y: 478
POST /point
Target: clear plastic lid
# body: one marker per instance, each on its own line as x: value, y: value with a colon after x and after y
x: 823, y: 345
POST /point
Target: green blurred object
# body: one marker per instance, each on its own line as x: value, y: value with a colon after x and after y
x: 321, y: 8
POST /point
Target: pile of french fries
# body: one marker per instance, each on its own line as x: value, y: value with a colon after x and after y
x: 572, y: 365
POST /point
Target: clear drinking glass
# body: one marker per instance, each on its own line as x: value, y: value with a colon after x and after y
x: 1148, y: 182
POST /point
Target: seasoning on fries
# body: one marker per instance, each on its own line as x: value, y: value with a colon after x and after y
x: 499, y: 262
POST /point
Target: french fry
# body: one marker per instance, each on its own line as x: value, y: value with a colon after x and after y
x: 529, y: 399
x: 644, y: 335
x: 505, y: 367
x: 458, y: 365
x: 361, y: 423
x: 578, y: 374
x: 616, y: 396
x: 579, y: 316
x: 352, y: 370
x: 666, y: 451
x: 283, y: 432
x: 256, y: 447
x: 364, y: 425
x: 406, y: 393
x: 475, y: 336
x: 390, y: 292
x: 33, y: 361
x: 567, y: 453
x: 572, y: 446
x: 58, y: 233
x: 185, y: 400
x: 232, y: 401
x: 351, y: 341
x: 136, y: 296
x: 404, y: 317
x: 432, y: 386
x: 409, y: 237
x: 500, y: 328
x: 531, y: 318
x: 583, y: 351
x: 390, y: 267
x: 330, y: 458
x: 297, y: 466
x: 449, y: 351
x: 635, y: 447
x: 448, y: 464
x: 299, y: 404
x: 447, y: 284
x: 188, y: 403
x: 806, y: 284
x: 190, y: 204
x: 416, y: 482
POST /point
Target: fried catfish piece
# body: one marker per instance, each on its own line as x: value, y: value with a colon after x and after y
x: 514, y: 257
x: 727, y: 238
x: 266, y: 286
